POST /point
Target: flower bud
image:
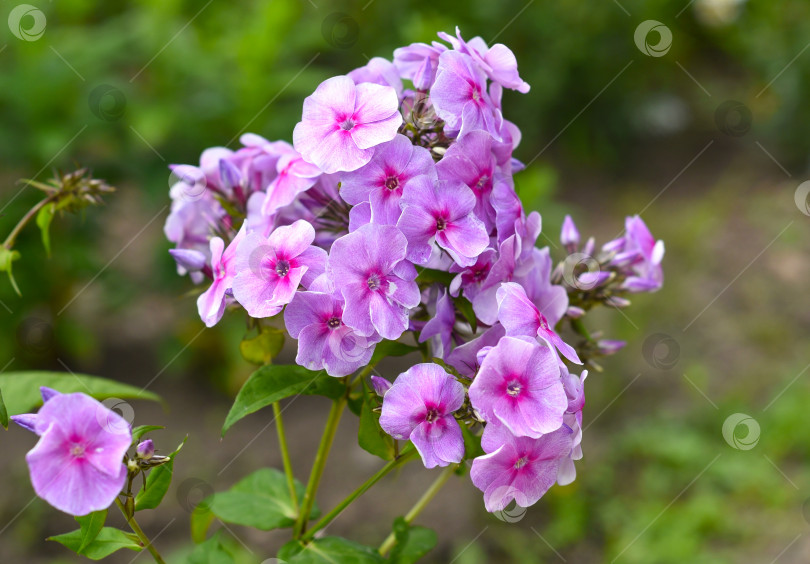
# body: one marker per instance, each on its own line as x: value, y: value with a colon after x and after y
x: 145, y: 449
x: 609, y: 346
x: 380, y: 385
x: 616, y: 301
x: 574, y: 312
x: 569, y: 236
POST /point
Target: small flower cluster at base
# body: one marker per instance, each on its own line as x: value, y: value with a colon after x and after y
x: 394, y: 214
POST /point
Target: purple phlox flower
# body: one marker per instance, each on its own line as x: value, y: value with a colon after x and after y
x: 380, y: 385
x: 211, y: 303
x: 440, y: 326
x: 295, y: 175
x: 470, y: 160
x: 510, y: 218
x: 575, y: 391
x: 396, y: 167
x: 315, y: 319
x: 647, y: 275
x: 569, y: 234
x: 342, y: 122
x: 255, y: 220
x: 465, y: 359
x: 378, y: 71
x: 442, y: 212
x: 322, y: 207
x: 550, y: 299
x: 419, y: 406
x: 470, y: 278
x: 77, y: 465
x: 190, y: 223
x: 418, y: 63
x: 369, y: 268
x: 520, y: 469
x: 521, y: 317
x: 460, y: 96
x: 519, y: 385
x: 270, y: 269
x: 192, y: 261
x: 498, y: 61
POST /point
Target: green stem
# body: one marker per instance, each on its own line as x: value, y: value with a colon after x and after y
x: 407, y: 455
x: 420, y: 505
x: 319, y: 464
x: 285, y: 454
x: 9, y: 242
x: 141, y: 535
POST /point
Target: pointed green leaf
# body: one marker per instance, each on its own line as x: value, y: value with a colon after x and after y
x: 413, y: 542
x: 264, y: 347
x: 210, y: 552
x: 370, y: 435
x: 106, y: 542
x: 44, y: 218
x: 276, y: 382
x: 91, y: 526
x: 6, y: 258
x: 261, y: 500
x: 141, y: 430
x: 329, y: 550
x: 157, y: 483
x: 21, y: 389
x: 3, y: 412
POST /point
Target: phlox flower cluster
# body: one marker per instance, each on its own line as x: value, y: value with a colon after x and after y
x: 394, y: 215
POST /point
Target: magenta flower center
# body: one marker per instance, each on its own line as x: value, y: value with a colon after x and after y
x: 441, y: 224
x: 392, y: 183
x: 282, y: 268
x: 333, y: 322
x: 347, y: 124
x: 513, y: 388
x: 521, y: 462
x: 482, y: 182
x: 476, y: 94
x: 374, y: 282
x: 77, y: 450
x: 431, y: 415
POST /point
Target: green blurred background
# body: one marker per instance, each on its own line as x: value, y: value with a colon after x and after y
x: 708, y: 142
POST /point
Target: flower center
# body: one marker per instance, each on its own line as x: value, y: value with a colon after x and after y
x: 482, y: 181
x: 513, y: 389
x: 373, y: 282
x: 392, y: 183
x: 441, y: 224
x: 432, y: 415
x: 347, y: 124
x: 476, y: 94
x: 282, y: 268
x: 77, y: 450
x: 333, y: 323
x: 520, y: 462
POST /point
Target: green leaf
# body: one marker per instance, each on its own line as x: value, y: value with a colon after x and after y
x: 273, y: 383
x: 210, y: 552
x: 472, y: 443
x: 201, y: 519
x: 141, y: 430
x: 6, y: 258
x: 413, y: 542
x: 370, y: 435
x: 21, y: 389
x: 91, y: 526
x: 261, y: 500
x: 329, y: 550
x: 466, y: 308
x: 108, y: 541
x: 391, y: 348
x: 429, y: 276
x: 44, y: 218
x: 157, y: 483
x: 3, y: 412
x: 264, y: 347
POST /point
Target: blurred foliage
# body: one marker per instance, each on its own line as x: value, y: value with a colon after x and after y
x: 126, y: 88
